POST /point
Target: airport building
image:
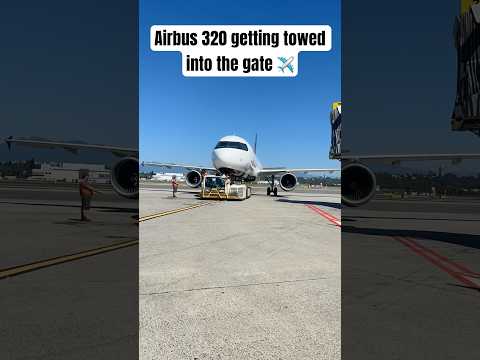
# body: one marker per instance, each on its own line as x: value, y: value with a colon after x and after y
x: 69, y: 172
x: 168, y: 176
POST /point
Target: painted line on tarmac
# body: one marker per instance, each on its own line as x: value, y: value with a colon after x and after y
x: 170, y: 212
x: 458, y: 271
x: 21, y: 269
x: 462, y: 268
x: 326, y: 215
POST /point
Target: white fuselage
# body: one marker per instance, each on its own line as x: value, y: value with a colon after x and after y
x: 234, y: 155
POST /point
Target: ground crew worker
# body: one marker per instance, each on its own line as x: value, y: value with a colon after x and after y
x: 86, y: 193
x: 174, y: 185
x: 227, y: 186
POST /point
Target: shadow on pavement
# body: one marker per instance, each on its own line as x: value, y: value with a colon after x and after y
x: 468, y: 240
x: 103, y: 208
x: 309, y: 202
x: 411, y: 218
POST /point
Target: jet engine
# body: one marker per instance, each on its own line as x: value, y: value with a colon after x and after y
x: 193, y: 178
x: 288, y: 182
x: 358, y: 184
x: 124, y: 177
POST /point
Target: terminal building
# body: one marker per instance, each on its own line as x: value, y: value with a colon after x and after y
x: 69, y: 172
x: 168, y: 177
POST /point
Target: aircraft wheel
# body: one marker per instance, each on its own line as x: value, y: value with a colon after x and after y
x: 275, y: 192
x: 268, y: 191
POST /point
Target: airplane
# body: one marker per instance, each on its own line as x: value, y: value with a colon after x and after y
x: 359, y: 182
x: 286, y: 63
x: 124, y: 174
x: 235, y: 157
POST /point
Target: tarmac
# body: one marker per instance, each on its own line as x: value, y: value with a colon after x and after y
x: 253, y: 279
x: 68, y: 287
x: 411, y: 279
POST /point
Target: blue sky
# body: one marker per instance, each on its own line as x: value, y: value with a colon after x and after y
x: 77, y: 84
x: 181, y: 118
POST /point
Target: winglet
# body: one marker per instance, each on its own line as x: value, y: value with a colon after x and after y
x: 9, y: 142
x: 255, y: 144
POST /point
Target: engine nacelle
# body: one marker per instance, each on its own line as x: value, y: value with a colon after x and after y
x: 358, y: 184
x: 124, y: 177
x: 288, y: 182
x: 193, y: 179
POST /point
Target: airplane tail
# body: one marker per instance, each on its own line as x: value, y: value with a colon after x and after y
x: 282, y: 68
x: 255, y: 144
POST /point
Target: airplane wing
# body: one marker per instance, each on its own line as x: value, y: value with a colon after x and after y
x: 70, y: 146
x: 397, y: 158
x: 277, y: 171
x: 173, y: 165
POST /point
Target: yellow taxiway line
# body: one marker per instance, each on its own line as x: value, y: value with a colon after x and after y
x: 20, y: 269
x: 169, y: 212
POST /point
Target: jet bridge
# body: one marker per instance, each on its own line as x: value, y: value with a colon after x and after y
x: 336, y: 138
x: 466, y: 111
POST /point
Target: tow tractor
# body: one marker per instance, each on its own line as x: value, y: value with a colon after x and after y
x: 213, y: 187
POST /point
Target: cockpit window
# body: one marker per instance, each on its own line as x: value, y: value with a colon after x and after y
x: 231, y: 145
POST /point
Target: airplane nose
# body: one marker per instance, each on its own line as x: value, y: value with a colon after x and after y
x: 219, y: 158
x: 224, y: 158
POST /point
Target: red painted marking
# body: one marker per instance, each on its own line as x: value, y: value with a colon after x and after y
x: 460, y: 267
x: 412, y: 245
x: 326, y: 215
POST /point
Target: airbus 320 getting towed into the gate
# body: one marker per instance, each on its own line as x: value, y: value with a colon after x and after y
x: 235, y: 157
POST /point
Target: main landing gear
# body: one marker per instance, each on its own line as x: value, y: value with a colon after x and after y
x: 273, y: 189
